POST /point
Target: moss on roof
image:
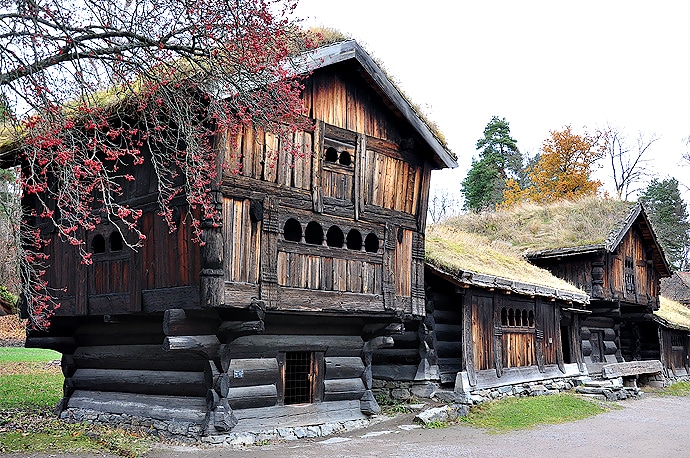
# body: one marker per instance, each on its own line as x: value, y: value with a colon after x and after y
x: 454, y: 250
x: 566, y: 224
x: 673, y: 313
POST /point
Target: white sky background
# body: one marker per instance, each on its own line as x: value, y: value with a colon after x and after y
x: 540, y: 64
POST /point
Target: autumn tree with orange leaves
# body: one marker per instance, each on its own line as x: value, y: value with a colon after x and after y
x: 563, y: 172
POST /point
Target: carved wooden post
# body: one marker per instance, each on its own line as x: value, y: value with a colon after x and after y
x: 418, y: 292
x: 388, y: 277
x: 212, y: 274
x: 269, y: 253
x: 598, y: 277
x: 467, y: 343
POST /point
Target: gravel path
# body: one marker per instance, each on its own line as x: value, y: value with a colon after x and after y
x: 649, y: 427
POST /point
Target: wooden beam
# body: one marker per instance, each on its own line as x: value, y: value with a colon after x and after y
x: 207, y: 346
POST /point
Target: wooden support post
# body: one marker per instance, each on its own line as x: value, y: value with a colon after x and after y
x: 467, y: 344
x: 212, y: 290
x: 316, y: 171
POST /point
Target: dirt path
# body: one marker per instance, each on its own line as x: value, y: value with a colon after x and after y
x: 653, y: 426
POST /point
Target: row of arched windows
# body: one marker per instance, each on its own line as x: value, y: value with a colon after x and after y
x: 334, y: 237
x: 114, y: 243
x: 338, y: 157
x: 517, y: 317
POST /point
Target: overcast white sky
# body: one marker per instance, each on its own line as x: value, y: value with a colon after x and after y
x: 540, y: 64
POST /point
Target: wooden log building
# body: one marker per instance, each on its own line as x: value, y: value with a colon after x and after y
x: 273, y: 321
x: 621, y: 272
x: 673, y: 320
x: 493, y: 320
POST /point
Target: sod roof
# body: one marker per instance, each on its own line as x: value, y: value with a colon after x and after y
x: 474, y: 259
x: 530, y: 228
x: 673, y: 314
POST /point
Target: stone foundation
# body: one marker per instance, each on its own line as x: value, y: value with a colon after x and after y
x: 192, y: 432
x: 183, y: 431
x: 394, y: 391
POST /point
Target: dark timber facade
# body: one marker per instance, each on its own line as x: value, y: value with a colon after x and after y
x: 274, y: 320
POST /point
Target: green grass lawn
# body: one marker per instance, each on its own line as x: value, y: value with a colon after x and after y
x: 30, y: 388
x: 676, y: 389
x: 521, y: 413
x: 19, y: 354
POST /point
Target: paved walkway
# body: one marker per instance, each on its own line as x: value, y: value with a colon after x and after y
x: 648, y: 427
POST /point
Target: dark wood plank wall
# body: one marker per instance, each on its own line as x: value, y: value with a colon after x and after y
x: 632, y: 249
x: 243, y: 241
x: 350, y: 172
x: 674, y: 350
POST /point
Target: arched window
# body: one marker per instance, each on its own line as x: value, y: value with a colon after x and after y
x: 331, y: 155
x: 371, y: 243
x: 345, y: 158
x: 530, y: 319
x: 504, y: 317
x: 525, y: 319
x: 98, y: 244
x: 116, y: 242
x: 313, y: 234
x: 335, y: 237
x: 511, y: 317
x: 292, y: 230
x: 518, y: 317
x: 354, y: 240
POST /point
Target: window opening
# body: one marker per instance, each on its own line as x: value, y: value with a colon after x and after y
x: 345, y: 158
x: 335, y: 237
x: 518, y: 318
x: 98, y: 244
x: 354, y: 240
x: 292, y: 230
x: 371, y: 243
x: 629, y: 274
x: 530, y: 319
x: 525, y: 319
x: 299, y: 373
x: 331, y: 155
x: 504, y: 317
x: 116, y: 242
x: 511, y: 317
x: 314, y: 233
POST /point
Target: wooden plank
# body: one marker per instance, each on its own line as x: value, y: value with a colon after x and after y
x: 158, y: 300
x: 250, y: 372
x: 630, y: 368
x: 180, y: 322
x: 468, y: 347
x: 297, y: 299
x: 207, y: 346
x: 271, y: 163
x: 252, y: 397
x: 343, y: 389
x: 172, y: 383
x: 180, y: 408
x: 151, y: 357
x: 240, y: 294
x: 343, y: 367
x: 394, y: 372
x: 516, y: 375
x: 267, y: 346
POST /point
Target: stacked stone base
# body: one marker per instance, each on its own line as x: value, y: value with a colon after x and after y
x: 178, y: 430
x: 190, y: 432
x: 545, y: 387
x: 609, y: 390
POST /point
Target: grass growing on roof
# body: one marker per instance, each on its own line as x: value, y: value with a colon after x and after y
x: 523, y: 413
x: 453, y: 250
x: 563, y: 224
x: 675, y: 313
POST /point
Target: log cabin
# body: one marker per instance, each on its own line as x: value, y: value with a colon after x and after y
x: 608, y: 249
x: 621, y: 269
x: 673, y: 320
x: 273, y: 322
x: 493, y: 321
